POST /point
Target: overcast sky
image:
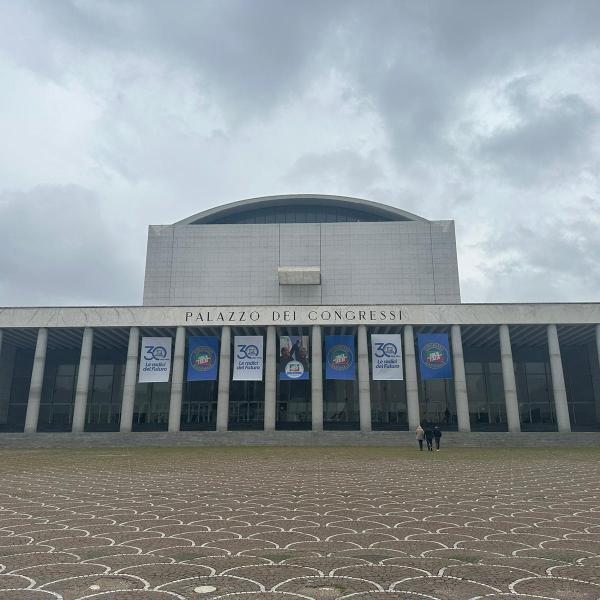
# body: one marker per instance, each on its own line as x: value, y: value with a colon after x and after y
x: 115, y: 115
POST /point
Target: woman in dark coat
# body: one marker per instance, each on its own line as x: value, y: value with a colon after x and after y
x: 437, y: 434
x: 429, y: 437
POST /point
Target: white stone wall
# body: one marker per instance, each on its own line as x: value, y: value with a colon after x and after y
x: 361, y: 263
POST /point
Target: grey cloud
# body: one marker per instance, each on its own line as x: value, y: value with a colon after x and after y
x: 200, y: 102
x: 250, y: 55
x: 414, y: 61
x: 419, y: 62
x: 555, y: 260
x: 339, y: 168
x: 57, y: 247
x: 548, y: 140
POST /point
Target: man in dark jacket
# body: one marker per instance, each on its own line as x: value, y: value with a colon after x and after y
x: 437, y: 434
x: 429, y: 437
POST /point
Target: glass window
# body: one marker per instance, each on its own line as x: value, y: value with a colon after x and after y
x: 246, y: 404
x: 534, y: 389
x: 388, y: 405
x: 301, y: 213
x: 199, y: 405
x: 151, y: 410
x: 294, y: 405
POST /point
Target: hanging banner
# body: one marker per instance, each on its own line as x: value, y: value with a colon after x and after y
x: 248, y: 358
x: 434, y: 356
x: 340, y: 357
x: 203, y: 358
x: 386, y: 356
x: 293, y: 357
x: 155, y: 360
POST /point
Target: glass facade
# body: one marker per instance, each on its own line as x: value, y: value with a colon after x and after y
x: 298, y: 214
x: 583, y: 410
x: 151, y: 408
x: 58, y: 391
x: 485, y: 389
x: 105, y: 393
x: 294, y: 408
x: 340, y: 404
x: 437, y: 403
x: 19, y: 390
x: 199, y: 405
x: 534, y: 389
x: 246, y: 405
x: 388, y: 405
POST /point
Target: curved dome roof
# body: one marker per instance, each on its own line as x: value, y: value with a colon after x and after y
x: 303, y: 208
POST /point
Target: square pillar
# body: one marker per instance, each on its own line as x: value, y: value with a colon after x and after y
x: 270, y: 380
x: 83, y: 381
x: 508, y: 378
x: 558, y: 381
x: 177, y: 381
x: 460, y: 381
x: 224, y: 374
x: 364, y: 382
x: 412, y: 386
x: 129, y: 383
x: 316, y: 376
x: 37, y: 380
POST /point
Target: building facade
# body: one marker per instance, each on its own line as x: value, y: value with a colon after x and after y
x: 307, y: 267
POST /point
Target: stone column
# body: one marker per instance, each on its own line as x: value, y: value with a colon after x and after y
x: 558, y: 381
x: 596, y: 372
x: 37, y: 380
x: 316, y: 376
x: 270, y: 380
x: 412, y: 386
x: 83, y: 380
x: 4, y: 388
x: 460, y: 381
x: 177, y: 381
x: 508, y: 377
x: 224, y: 373
x: 364, y: 383
x: 130, y: 381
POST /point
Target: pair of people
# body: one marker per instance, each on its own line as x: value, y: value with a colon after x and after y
x: 429, y: 434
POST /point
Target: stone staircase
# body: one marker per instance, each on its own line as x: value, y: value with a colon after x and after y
x: 450, y: 439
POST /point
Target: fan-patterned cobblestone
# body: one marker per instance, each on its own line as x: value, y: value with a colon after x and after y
x: 301, y: 523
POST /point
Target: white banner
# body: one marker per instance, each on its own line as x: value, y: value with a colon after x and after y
x: 387, y: 356
x: 155, y: 359
x: 248, y: 358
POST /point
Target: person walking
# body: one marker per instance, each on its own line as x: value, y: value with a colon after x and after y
x: 429, y: 437
x: 420, y: 437
x: 437, y: 434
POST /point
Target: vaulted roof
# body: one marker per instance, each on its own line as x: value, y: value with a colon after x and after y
x: 317, y: 205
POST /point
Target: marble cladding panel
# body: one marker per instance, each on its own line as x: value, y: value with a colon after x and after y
x: 361, y: 263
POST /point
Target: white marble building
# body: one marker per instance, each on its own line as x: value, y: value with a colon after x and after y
x: 310, y: 266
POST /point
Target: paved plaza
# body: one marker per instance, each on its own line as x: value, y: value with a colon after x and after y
x: 312, y: 523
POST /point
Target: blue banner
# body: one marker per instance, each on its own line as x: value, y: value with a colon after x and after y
x: 340, y: 357
x: 434, y: 356
x: 203, y: 358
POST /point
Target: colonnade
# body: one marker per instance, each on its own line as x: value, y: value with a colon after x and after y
x: 364, y: 378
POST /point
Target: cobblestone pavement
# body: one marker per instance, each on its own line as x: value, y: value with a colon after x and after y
x: 322, y: 524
